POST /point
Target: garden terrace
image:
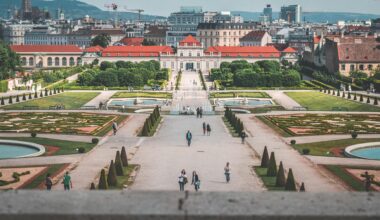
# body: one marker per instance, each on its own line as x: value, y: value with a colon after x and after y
x: 239, y: 94
x: 58, y: 123
x: 159, y: 95
x: 319, y: 124
x: 316, y: 101
x: 68, y: 100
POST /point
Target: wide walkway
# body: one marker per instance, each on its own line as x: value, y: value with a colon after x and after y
x: 163, y: 156
x: 304, y: 170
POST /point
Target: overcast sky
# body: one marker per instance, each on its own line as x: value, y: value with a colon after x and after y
x: 164, y: 7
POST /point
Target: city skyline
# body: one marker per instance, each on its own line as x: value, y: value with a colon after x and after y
x: 156, y: 7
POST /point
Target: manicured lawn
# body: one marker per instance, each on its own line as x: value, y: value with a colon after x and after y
x: 351, y: 181
x: 324, y: 148
x: 65, y: 147
x: 52, y: 169
x: 158, y: 95
x: 273, y: 126
x: 71, y: 100
x: 317, y: 101
x: 239, y: 94
x: 124, y: 180
x: 269, y: 182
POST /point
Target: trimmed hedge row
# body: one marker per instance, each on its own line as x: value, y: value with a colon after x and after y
x: 35, y: 95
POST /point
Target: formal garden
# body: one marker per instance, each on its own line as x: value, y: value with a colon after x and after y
x: 317, y: 101
x: 261, y: 74
x: 67, y: 100
x: 76, y: 123
x: 320, y: 124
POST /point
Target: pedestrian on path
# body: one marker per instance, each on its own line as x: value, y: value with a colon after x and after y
x: 182, y: 180
x: 198, y: 112
x: 201, y: 112
x: 48, y: 182
x: 208, y: 127
x: 227, y: 172
x: 196, y: 181
x: 243, y: 135
x: 204, y: 128
x: 114, y: 127
x: 189, y: 136
x: 67, y: 184
x: 367, y: 180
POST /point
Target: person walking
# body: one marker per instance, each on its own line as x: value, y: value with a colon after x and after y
x: 182, y: 180
x: 189, y: 136
x: 243, y: 135
x: 67, y: 184
x: 227, y: 172
x: 204, y: 128
x: 114, y: 127
x: 367, y: 180
x: 208, y: 127
x: 196, y: 181
x: 48, y: 182
x: 200, y: 112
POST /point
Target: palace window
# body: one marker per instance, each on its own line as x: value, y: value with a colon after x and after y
x: 56, y: 61
x: 72, y: 62
x: 31, y: 61
x: 352, y: 67
x: 370, y: 67
x: 343, y: 67
x: 50, y: 61
x: 361, y: 67
x: 64, y: 61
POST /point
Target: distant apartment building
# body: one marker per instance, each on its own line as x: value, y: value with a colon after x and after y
x: 223, y: 33
x: 291, y: 13
x: 14, y: 34
x: 156, y: 35
x: 256, y: 38
x: 345, y: 54
x: 43, y: 35
x: 301, y: 39
x: 267, y: 16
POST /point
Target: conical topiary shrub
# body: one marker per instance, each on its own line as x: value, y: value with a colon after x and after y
x: 333, y: 92
x: 338, y: 93
x: 124, y: 158
x: 62, y: 90
x: 302, y: 188
x: 92, y: 187
x: 119, y: 165
x: 23, y: 97
x: 272, y: 167
x: 55, y: 91
x: 41, y: 94
x: 145, y: 130
x: 375, y: 101
x: 344, y: 95
x: 2, y: 101
x: 103, y: 181
x: 111, y: 178
x: 50, y: 92
x: 349, y: 96
x: 30, y: 96
x: 361, y: 98
x: 46, y: 92
x: 265, y: 158
x: 10, y: 100
x: 35, y: 94
x: 368, y: 101
x: 355, y: 97
x: 329, y: 91
x: 17, y: 98
x: 280, y: 178
x: 290, y: 182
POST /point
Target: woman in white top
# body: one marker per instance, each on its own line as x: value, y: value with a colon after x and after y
x: 227, y: 172
x: 182, y: 180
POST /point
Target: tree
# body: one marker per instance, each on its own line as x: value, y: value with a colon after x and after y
x: 106, y: 65
x: 111, y: 178
x: 361, y: 98
x: 290, y: 182
x: 103, y: 181
x: 124, y: 158
x: 10, y: 101
x: 24, y: 97
x: 9, y: 62
x: 119, y: 165
x: 368, y: 101
x: 280, y: 178
x: 92, y: 187
x: 17, y: 98
x: 41, y: 94
x: 2, y: 101
x: 272, y: 167
x: 302, y: 188
x: 102, y: 40
x: 30, y: 96
x: 35, y: 94
x: 265, y: 158
x: 375, y: 101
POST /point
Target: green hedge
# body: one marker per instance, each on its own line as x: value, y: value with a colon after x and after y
x: 3, y: 85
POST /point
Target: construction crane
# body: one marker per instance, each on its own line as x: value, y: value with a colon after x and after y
x: 139, y: 11
x: 114, y: 7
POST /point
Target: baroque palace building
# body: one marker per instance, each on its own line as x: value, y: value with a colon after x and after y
x: 190, y: 55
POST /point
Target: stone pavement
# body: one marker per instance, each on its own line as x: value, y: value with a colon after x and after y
x: 163, y: 156
x: 303, y: 169
x: 89, y: 167
x: 282, y: 99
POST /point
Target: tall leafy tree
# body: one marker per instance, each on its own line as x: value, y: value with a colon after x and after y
x: 102, y: 40
x: 9, y: 61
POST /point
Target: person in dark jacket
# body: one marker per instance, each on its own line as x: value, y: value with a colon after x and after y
x: 48, y: 182
x: 204, y: 128
x: 196, y: 181
x: 189, y: 136
x: 208, y: 127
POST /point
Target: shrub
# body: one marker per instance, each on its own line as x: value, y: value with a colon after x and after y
x: 361, y: 98
x: 10, y: 101
x: 124, y: 158
x: 290, y: 182
x: 35, y: 94
x: 306, y: 151
x: 41, y: 94
x: 338, y: 93
x: 272, y: 167
x: 355, y: 97
x: 81, y: 150
x: 344, y: 95
x: 375, y: 101
x: 265, y: 158
x: 354, y: 135
x: 103, y: 181
x: 92, y: 187
x: 368, y: 101
x: 2, y: 101
x: 33, y: 134
x: 302, y: 188
x: 46, y: 92
x: 17, y: 98
x: 333, y: 93
x: 349, y: 96
x: 119, y: 165
x: 50, y: 92
x: 293, y: 142
x: 95, y: 140
x: 23, y: 97
x: 111, y: 178
x: 280, y: 178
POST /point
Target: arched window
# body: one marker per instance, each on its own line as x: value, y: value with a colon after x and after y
x: 23, y: 61
x: 64, y: 61
x: 72, y: 62
x: 50, y: 61
x: 31, y: 61
x: 56, y: 61
x: 79, y: 61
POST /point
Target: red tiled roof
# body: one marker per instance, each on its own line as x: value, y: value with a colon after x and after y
x: 289, y: 50
x: 254, y: 51
x: 46, y: 48
x: 317, y: 39
x: 94, y: 49
x: 132, y: 41
x: 253, y: 36
x: 136, y: 51
x: 190, y: 41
